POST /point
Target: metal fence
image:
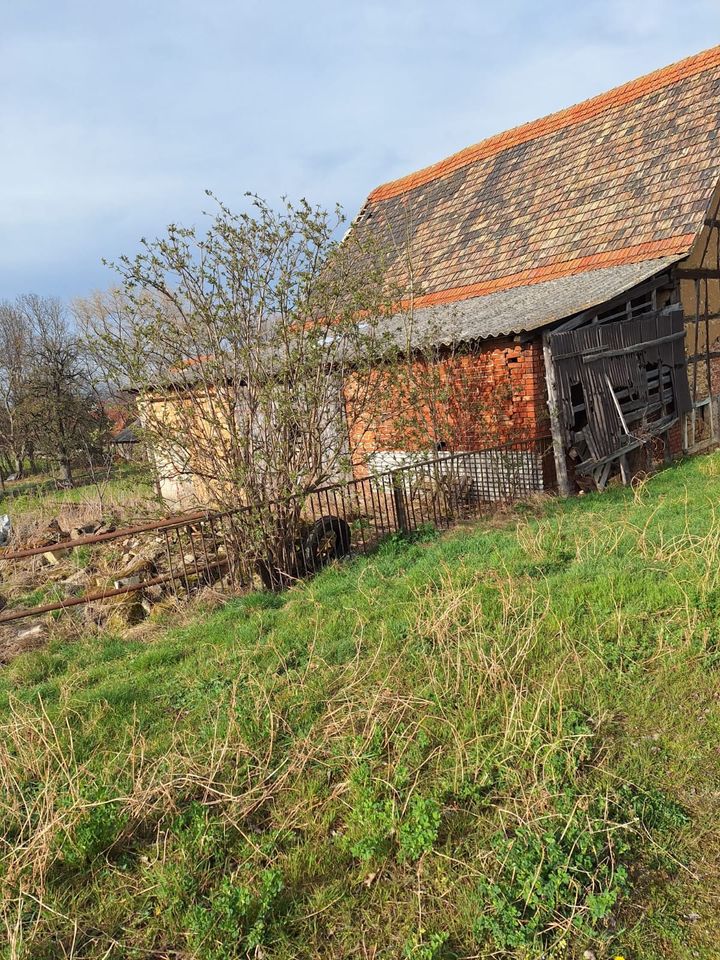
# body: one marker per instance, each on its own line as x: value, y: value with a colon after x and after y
x: 180, y: 554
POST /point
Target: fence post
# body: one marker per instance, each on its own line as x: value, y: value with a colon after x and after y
x: 399, y: 502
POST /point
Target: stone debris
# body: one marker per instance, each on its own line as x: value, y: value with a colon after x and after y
x: 86, y: 530
x: 37, y: 631
x: 5, y: 529
x: 143, y: 559
x: 129, y: 562
x: 53, y: 557
x: 133, y: 581
x: 15, y: 642
x: 79, y: 578
x: 76, y: 583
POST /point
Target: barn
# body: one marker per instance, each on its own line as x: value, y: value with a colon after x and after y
x: 566, y: 277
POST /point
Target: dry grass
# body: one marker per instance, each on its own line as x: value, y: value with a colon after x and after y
x: 127, y: 499
x: 498, y: 744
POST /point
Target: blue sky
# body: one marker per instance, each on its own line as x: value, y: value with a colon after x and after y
x: 116, y: 116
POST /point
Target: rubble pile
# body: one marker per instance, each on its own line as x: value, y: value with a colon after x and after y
x: 71, y: 567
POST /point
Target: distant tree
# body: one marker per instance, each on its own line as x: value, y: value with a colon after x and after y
x: 16, y: 356
x: 65, y: 412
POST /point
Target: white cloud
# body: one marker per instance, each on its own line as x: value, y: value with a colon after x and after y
x: 115, y: 117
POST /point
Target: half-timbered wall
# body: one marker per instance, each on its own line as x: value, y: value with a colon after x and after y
x: 698, y: 287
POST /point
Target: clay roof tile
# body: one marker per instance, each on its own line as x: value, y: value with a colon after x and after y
x: 618, y: 179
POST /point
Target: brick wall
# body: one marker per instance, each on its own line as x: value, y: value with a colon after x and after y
x: 490, y: 394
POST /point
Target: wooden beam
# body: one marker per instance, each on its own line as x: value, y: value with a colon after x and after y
x: 558, y: 439
x: 698, y: 273
x: 712, y: 222
x: 713, y: 354
x: 702, y: 318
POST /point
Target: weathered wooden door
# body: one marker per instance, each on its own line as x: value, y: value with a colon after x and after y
x: 618, y: 385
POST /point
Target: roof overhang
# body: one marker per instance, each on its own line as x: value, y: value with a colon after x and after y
x: 521, y: 309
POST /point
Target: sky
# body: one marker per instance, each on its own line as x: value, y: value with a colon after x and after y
x: 115, y: 117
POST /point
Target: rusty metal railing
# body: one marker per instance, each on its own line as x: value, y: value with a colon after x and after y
x: 199, y: 548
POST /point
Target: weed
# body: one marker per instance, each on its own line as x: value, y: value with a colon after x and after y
x: 420, y: 827
x: 371, y: 823
x: 424, y: 946
x: 234, y: 922
x: 567, y: 872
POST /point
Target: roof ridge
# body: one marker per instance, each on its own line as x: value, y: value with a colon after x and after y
x: 568, y: 116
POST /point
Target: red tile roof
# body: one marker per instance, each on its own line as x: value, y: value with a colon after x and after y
x: 624, y: 177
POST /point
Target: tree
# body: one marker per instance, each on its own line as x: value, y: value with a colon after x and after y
x: 242, y: 341
x: 16, y: 357
x: 66, y: 414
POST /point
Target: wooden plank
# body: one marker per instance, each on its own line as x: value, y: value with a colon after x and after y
x: 625, y: 470
x: 558, y: 439
x: 602, y: 475
x: 617, y: 405
x: 634, y: 348
x: 708, y: 365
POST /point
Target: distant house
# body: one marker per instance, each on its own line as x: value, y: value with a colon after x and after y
x: 125, y: 442
x: 568, y: 270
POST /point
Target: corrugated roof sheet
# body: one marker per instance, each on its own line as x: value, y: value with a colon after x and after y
x: 128, y: 435
x: 621, y: 179
x: 521, y: 308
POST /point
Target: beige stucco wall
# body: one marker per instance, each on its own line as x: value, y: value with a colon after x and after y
x: 183, y: 481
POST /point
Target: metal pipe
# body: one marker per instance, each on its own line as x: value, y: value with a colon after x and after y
x: 169, y: 523
x: 91, y: 597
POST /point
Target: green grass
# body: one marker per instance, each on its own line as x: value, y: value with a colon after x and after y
x: 128, y: 480
x: 498, y: 743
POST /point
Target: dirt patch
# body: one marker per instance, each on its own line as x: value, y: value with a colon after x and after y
x: 15, y: 642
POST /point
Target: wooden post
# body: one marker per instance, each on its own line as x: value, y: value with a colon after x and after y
x: 399, y: 502
x: 555, y: 425
x: 625, y: 470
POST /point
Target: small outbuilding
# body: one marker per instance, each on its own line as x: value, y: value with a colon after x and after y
x: 125, y: 442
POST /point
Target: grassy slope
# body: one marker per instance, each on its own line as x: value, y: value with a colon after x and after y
x: 503, y: 742
x: 129, y: 481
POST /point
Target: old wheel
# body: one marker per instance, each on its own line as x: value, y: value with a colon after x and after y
x: 329, y: 539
